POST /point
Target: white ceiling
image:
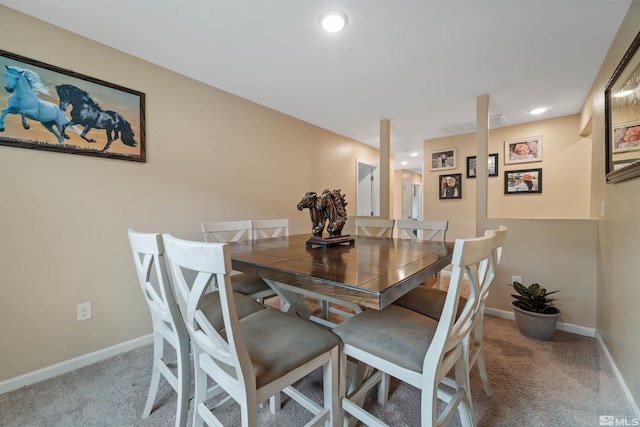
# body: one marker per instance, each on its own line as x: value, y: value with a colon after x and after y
x: 420, y: 64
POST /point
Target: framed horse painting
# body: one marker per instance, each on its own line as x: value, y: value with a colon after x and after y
x: 49, y: 108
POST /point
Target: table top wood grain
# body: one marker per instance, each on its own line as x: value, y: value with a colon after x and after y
x: 373, y: 272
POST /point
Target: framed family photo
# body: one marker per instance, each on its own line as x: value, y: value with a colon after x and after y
x: 49, y: 108
x: 443, y: 159
x: 626, y: 137
x: 492, y: 166
x: 524, y: 181
x: 450, y: 186
x: 523, y: 150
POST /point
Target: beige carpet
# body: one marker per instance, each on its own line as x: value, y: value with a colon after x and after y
x: 563, y: 382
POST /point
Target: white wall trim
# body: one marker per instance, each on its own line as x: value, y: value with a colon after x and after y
x: 72, y: 364
x: 625, y: 390
x: 567, y: 327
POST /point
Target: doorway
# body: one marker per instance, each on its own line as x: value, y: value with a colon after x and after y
x: 411, y: 200
x: 368, y: 195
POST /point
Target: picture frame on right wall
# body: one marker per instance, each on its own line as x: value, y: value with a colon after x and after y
x: 523, y: 181
x: 523, y: 150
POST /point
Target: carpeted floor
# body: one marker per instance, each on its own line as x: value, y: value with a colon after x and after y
x: 563, y: 382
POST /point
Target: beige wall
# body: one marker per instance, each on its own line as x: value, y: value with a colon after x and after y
x: 618, y: 287
x: 566, y: 174
x: 556, y: 246
x: 63, y: 218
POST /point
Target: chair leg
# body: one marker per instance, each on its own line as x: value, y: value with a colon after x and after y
x: 249, y: 411
x: 461, y: 372
x: 331, y: 386
x: 477, y: 338
x: 275, y: 404
x: 184, y: 381
x: 200, y: 394
x: 383, y: 388
x: 158, y: 343
x: 429, y: 404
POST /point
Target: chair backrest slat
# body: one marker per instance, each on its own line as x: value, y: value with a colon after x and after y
x: 374, y: 227
x: 422, y: 230
x: 148, y: 256
x: 265, y: 228
x: 227, y: 231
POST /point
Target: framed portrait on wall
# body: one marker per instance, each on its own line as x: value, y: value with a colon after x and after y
x: 524, y: 181
x: 443, y: 159
x: 450, y: 186
x: 492, y: 166
x: 524, y: 150
x: 626, y: 137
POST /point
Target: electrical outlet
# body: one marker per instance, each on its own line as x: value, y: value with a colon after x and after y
x: 516, y: 279
x: 83, y: 311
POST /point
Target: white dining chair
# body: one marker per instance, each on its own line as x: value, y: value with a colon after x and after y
x: 148, y: 257
x: 423, y: 230
x: 374, y: 227
x: 256, y: 357
x: 416, y: 349
x: 167, y: 322
x: 235, y: 231
x: 430, y: 302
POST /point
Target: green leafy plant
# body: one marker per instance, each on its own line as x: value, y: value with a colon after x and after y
x: 533, y: 298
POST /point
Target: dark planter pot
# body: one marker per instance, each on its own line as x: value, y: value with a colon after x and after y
x: 537, y: 326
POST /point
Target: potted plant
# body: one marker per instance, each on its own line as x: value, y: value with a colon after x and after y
x: 535, y: 314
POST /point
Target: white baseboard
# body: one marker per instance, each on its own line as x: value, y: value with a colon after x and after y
x: 567, y: 327
x: 72, y: 364
x: 625, y: 390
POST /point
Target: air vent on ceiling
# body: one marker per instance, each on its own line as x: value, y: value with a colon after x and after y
x: 496, y: 121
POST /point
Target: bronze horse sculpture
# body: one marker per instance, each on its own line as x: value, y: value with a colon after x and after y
x: 327, y: 210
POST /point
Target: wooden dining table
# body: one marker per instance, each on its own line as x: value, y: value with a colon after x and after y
x: 370, y: 272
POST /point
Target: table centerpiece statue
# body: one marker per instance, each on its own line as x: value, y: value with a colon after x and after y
x: 329, y: 210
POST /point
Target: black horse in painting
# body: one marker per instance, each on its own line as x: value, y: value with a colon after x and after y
x: 87, y: 113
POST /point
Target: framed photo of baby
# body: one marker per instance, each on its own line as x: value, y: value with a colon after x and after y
x: 450, y: 186
x: 524, y: 150
x: 626, y: 137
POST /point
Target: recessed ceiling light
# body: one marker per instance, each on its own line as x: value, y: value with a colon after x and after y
x: 404, y: 163
x: 333, y: 21
x: 414, y: 154
x: 538, y: 110
x: 623, y: 93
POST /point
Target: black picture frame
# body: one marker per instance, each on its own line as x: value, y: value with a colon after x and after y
x: 447, y: 191
x: 492, y: 167
x: 523, y: 181
x: 47, y: 102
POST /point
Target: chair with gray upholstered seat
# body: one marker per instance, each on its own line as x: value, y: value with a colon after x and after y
x: 416, y: 349
x: 423, y: 230
x: 168, y: 326
x: 234, y: 231
x: 430, y: 302
x: 252, y: 358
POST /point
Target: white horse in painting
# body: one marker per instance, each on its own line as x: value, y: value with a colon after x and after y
x: 22, y: 85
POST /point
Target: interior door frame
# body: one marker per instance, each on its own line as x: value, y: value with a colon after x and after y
x: 368, y: 189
